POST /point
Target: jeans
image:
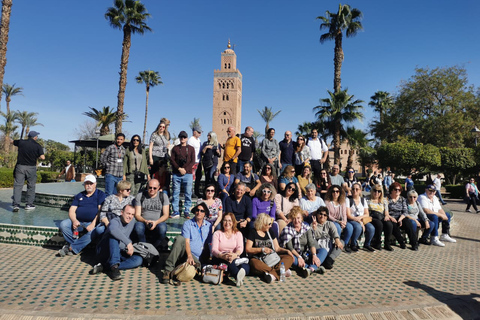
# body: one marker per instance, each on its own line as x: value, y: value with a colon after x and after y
x: 179, y: 181
x: 209, y: 175
x: 20, y: 174
x: 347, y: 232
x: 77, y: 245
x: 472, y: 201
x: 159, y: 233
x: 439, y: 195
x: 433, y: 228
x: 111, y: 184
x: 198, y: 177
x: 437, y: 220
x: 108, y: 251
x: 321, y: 254
x: 232, y: 267
x: 357, y: 232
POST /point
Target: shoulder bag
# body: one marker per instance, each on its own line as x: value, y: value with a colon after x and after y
x: 273, y: 258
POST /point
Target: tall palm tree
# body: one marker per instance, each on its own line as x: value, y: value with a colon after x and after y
x: 338, y: 108
x: 104, y: 118
x: 129, y: 16
x: 268, y: 116
x: 380, y: 102
x: 195, y: 123
x: 151, y: 79
x: 8, y: 129
x: 4, y: 30
x: 357, y: 139
x: 348, y: 20
x: 26, y: 120
x: 10, y: 91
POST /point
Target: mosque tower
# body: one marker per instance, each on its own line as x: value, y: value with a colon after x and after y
x: 227, y: 95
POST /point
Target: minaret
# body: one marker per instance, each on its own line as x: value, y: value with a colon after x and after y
x: 227, y: 95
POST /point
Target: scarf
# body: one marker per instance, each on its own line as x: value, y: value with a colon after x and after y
x: 289, y: 233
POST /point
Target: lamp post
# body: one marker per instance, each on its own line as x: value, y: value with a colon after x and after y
x: 97, y: 132
x: 475, y: 131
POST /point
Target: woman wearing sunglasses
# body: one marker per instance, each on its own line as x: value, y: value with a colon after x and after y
x: 378, y: 210
x: 419, y: 219
x: 327, y: 237
x: 225, y: 181
x: 397, y: 209
x: 337, y: 208
x: 135, y: 161
x: 268, y: 175
x: 358, y: 217
x: 214, y: 205
x: 114, y: 203
x: 264, y: 203
x: 288, y: 176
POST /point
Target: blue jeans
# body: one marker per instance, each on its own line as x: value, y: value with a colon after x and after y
x: 427, y: 232
x: 111, y: 183
x: 435, y: 223
x: 357, y: 231
x: 108, y: 251
x: 347, y: 232
x: 159, y: 233
x: 77, y: 245
x: 439, y: 195
x: 209, y: 175
x: 321, y: 254
x: 179, y: 181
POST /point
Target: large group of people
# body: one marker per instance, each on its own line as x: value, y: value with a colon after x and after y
x: 292, y: 214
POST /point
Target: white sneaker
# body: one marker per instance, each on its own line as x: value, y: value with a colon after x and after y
x: 445, y: 237
x: 437, y: 242
x: 240, y: 276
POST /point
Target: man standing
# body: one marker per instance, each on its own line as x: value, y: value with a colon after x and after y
x: 69, y: 172
x: 318, y: 152
x: 115, y: 250
x: 83, y: 215
x: 438, y: 185
x: 248, y: 148
x: 112, y: 161
x: 151, y: 212
x: 271, y: 150
x: 286, y: 151
x: 195, y: 142
x: 232, y: 147
x: 431, y: 206
x: 182, y: 159
x: 387, y: 181
x: 192, y: 244
x: 26, y: 168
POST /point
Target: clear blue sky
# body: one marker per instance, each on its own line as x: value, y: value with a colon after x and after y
x: 66, y: 57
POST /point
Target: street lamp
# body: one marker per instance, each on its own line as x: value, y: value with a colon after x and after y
x: 475, y: 131
x: 97, y: 132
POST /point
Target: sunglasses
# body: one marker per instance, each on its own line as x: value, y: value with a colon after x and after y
x: 136, y: 140
x: 379, y: 191
x: 300, y: 139
x: 293, y: 171
x: 266, y: 191
x: 268, y: 168
x: 269, y: 224
x: 412, y: 197
x: 336, y: 191
x: 152, y: 188
x: 128, y: 190
x: 397, y: 189
x: 210, y: 190
x: 200, y: 210
x: 292, y: 188
x: 227, y: 167
x: 351, y: 171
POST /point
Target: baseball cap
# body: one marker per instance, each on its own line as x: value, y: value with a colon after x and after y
x: 90, y: 178
x: 33, y: 134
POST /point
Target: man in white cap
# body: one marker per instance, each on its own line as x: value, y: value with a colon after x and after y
x: 26, y: 168
x: 83, y: 215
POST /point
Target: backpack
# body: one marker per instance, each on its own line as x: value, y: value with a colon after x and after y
x: 147, y: 251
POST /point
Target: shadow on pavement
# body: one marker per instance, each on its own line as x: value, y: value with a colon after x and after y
x: 466, y: 306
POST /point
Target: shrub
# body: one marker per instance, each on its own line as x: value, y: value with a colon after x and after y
x: 456, y: 191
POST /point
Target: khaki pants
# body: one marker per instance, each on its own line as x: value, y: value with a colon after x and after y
x: 259, y: 267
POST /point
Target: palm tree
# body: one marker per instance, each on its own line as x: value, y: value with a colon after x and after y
x: 10, y: 91
x: 26, y: 120
x: 195, y: 123
x: 151, y: 79
x: 4, y: 29
x: 357, y: 139
x: 381, y: 101
x: 267, y: 116
x: 348, y: 20
x: 130, y: 16
x: 337, y: 109
x: 8, y: 128
x: 104, y: 118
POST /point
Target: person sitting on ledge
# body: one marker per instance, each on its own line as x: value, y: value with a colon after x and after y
x: 82, y: 215
x: 114, y: 203
x: 192, y: 244
x: 115, y: 250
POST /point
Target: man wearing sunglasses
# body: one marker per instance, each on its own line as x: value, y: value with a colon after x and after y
x: 192, y: 244
x: 151, y: 212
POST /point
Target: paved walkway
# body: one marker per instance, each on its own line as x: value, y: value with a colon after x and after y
x: 433, y: 283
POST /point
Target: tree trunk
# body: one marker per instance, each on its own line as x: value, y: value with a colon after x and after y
x: 146, y: 113
x: 337, y: 61
x: 266, y: 129
x: 8, y: 104
x: 350, y: 157
x: 23, y: 130
x: 127, y: 42
x: 336, y: 143
x: 4, y: 29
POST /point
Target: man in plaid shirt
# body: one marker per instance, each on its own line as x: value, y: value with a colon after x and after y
x: 112, y: 161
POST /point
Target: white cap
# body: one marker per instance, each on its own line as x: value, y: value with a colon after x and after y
x: 90, y: 178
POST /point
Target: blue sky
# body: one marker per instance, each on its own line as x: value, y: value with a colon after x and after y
x: 66, y: 57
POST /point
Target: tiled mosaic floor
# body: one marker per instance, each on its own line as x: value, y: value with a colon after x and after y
x: 34, y: 279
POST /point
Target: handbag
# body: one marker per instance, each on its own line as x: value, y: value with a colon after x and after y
x: 182, y: 273
x: 366, y: 220
x: 271, y: 259
x: 212, y: 275
x: 139, y: 177
x: 377, y: 215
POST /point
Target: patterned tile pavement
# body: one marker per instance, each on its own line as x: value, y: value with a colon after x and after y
x: 433, y: 283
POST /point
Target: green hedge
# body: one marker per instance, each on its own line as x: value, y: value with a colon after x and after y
x: 6, y: 177
x: 456, y: 191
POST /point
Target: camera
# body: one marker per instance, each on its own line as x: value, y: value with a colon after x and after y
x: 150, y: 225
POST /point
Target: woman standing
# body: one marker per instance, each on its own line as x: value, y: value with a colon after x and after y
x: 288, y: 175
x: 225, y: 181
x: 302, y: 154
x: 214, y: 205
x: 284, y: 202
x: 471, y: 192
x: 158, y: 147
x: 211, y: 151
x: 261, y: 243
x: 358, y: 216
x: 268, y: 175
x: 135, y: 167
x: 227, y: 247
x: 337, y: 208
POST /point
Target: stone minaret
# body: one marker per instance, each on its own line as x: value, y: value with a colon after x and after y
x: 227, y: 95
